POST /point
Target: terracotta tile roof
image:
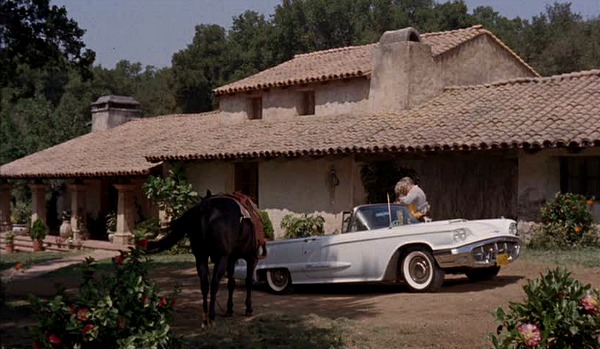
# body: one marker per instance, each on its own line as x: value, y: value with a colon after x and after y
x: 347, y: 62
x: 554, y: 111
x: 115, y: 152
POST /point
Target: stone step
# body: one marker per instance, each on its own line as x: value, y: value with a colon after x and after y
x: 50, y: 243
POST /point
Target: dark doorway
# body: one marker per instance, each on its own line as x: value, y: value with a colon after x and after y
x: 246, y: 179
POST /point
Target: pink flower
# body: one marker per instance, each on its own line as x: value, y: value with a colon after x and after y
x: 531, y: 334
x: 72, y: 309
x: 118, y: 260
x: 590, y: 303
x: 87, y: 328
x: 83, y: 314
x: 143, y: 243
x: 162, y: 302
x: 121, y: 322
x: 54, y: 340
x: 146, y: 301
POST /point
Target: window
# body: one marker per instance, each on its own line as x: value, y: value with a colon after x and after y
x: 307, y: 103
x: 255, y: 108
x: 580, y: 175
x: 246, y: 179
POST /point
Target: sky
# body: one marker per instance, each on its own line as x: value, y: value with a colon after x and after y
x: 151, y: 31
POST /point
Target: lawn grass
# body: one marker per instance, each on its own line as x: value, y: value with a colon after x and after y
x: 105, y: 266
x: 26, y: 259
x: 587, y: 257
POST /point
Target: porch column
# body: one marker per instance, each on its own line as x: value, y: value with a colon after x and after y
x: 38, y: 202
x: 125, y: 214
x: 5, y: 196
x: 77, y: 192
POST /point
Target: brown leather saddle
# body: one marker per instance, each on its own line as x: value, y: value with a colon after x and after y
x: 250, y: 211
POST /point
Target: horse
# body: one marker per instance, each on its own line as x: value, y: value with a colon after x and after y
x: 221, y: 228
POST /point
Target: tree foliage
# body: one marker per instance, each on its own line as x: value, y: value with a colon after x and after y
x: 40, y: 36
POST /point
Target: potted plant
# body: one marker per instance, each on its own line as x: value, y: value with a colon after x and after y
x: 9, y: 242
x: 38, y: 233
x: 20, y: 218
x: 111, y: 225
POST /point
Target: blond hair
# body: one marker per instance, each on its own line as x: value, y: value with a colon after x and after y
x: 402, y: 186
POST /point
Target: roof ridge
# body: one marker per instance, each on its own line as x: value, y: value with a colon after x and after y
x: 444, y: 32
x: 344, y: 48
x: 572, y: 75
x: 331, y: 50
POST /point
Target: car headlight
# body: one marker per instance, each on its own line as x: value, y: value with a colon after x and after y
x: 459, y: 235
x: 512, y: 228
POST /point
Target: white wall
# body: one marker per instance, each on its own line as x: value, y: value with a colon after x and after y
x: 290, y: 186
x: 539, y: 180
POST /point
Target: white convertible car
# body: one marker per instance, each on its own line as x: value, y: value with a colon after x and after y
x: 375, y: 247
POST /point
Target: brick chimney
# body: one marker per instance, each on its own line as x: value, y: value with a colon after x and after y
x: 403, y: 73
x: 112, y: 111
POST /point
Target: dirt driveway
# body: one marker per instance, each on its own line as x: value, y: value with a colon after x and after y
x: 384, y: 316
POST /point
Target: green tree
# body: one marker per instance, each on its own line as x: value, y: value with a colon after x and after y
x: 202, y: 66
x: 38, y: 35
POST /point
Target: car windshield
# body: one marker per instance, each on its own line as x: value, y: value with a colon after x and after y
x: 372, y: 217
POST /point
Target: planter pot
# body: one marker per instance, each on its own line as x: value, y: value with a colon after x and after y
x: 38, y: 245
x: 9, y: 248
x: 65, y: 230
x: 21, y: 229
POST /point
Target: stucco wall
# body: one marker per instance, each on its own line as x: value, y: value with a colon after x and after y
x: 539, y: 180
x: 294, y: 186
x: 479, y: 61
x: 335, y: 97
x: 218, y: 177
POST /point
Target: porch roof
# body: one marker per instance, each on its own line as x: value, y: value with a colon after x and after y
x: 349, y: 62
x: 117, y: 151
x: 562, y: 110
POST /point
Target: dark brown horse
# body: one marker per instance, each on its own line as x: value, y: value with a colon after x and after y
x: 218, y: 227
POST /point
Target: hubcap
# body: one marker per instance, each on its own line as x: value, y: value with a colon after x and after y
x: 279, y: 278
x: 419, y: 269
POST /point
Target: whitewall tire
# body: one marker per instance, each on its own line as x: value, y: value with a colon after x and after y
x: 420, y: 272
x: 279, y: 280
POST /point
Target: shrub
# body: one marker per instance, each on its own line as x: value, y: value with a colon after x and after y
x: 267, y: 225
x: 147, y: 229
x: 558, y: 312
x: 303, y: 226
x: 38, y: 230
x: 120, y: 310
x: 21, y: 212
x: 566, y: 222
x: 9, y: 238
x: 173, y: 194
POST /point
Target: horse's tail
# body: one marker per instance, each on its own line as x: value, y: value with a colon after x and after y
x: 172, y: 237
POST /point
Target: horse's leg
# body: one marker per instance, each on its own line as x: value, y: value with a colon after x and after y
x: 230, y: 285
x: 202, y: 269
x: 251, y: 265
x: 218, y: 271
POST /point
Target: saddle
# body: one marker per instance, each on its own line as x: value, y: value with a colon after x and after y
x: 250, y: 211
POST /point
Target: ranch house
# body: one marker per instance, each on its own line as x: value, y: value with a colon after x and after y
x: 484, y: 134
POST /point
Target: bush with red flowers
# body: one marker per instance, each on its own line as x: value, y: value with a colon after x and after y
x: 120, y: 310
x: 559, y: 312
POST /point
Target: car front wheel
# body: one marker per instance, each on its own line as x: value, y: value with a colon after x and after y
x: 279, y: 280
x: 420, y: 271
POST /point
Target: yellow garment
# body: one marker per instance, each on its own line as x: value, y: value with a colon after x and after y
x: 413, y: 211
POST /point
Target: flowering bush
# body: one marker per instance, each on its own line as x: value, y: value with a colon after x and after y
x: 567, y: 222
x: 558, y: 312
x: 119, y: 310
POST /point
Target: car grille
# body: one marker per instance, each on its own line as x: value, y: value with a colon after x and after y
x: 487, y: 253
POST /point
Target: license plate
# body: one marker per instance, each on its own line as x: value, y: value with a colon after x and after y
x: 502, y: 259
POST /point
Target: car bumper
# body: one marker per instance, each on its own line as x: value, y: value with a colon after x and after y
x: 486, y: 253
